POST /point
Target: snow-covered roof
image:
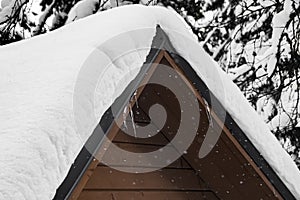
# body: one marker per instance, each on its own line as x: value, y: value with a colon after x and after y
x: 39, y: 130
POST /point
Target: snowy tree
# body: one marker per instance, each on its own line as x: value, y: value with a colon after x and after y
x: 20, y: 19
x: 255, y: 41
x: 13, y: 20
x: 257, y: 44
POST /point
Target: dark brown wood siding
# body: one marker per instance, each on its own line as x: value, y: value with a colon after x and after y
x: 227, y: 172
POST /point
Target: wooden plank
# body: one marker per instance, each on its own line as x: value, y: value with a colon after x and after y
x: 105, y: 178
x: 130, y: 147
x: 145, y: 195
x: 153, y: 137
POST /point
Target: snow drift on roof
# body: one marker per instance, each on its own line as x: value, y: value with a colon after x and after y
x: 38, y: 131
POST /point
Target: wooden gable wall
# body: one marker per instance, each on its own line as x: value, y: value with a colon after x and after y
x: 227, y: 172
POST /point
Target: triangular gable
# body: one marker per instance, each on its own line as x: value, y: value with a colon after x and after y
x: 232, y: 136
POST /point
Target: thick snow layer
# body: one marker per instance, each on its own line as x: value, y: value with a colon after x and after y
x: 38, y: 134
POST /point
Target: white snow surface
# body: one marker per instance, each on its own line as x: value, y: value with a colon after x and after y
x: 38, y: 134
